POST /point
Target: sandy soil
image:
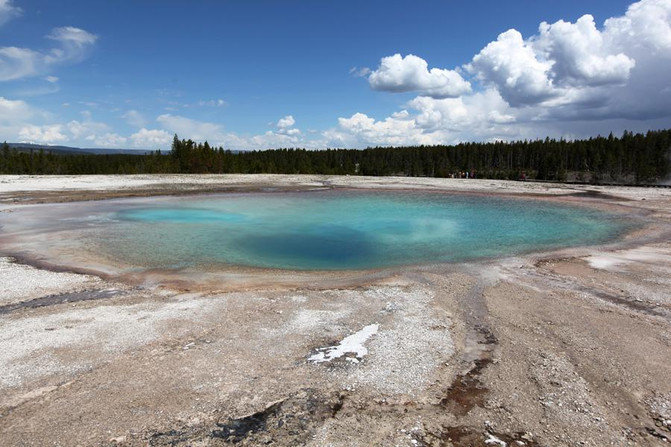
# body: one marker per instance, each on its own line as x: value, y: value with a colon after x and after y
x: 571, y: 348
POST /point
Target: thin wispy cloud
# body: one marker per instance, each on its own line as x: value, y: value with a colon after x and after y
x: 8, y: 11
x: 72, y: 44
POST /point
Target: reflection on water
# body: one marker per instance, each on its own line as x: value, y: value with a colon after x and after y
x: 310, y: 230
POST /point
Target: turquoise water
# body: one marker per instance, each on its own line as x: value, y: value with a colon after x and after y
x: 343, y: 230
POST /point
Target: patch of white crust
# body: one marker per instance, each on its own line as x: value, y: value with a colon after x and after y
x: 20, y: 282
x: 352, y: 344
x: 644, y: 255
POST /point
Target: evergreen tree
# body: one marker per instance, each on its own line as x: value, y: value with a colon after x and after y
x: 632, y: 158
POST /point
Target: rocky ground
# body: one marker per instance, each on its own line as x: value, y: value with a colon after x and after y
x: 570, y: 348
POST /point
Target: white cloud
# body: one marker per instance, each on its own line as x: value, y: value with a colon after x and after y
x: 268, y: 140
x: 8, y: 11
x: 73, y: 45
x: 411, y: 73
x: 646, y: 25
x: 360, y: 130
x: 458, y: 114
x: 48, y: 134
x: 511, y: 65
x: 151, y: 139
x: 21, y: 122
x: 86, y: 129
x: 572, y: 79
x: 190, y: 128
x: 285, y: 136
x: 14, y: 110
x: 72, y: 36
x: 286, y: 122
x: 16, y: 63
x: 14, y: 115
x: 577, y: 69
x: 581, y: 55
x: 109, y: 139
x: 51, y: 79
x: 84, y: 133
x: 482, y: 116
x: 16, y: 124
x: 285, y: 126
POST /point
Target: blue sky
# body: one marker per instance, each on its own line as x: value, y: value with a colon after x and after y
x: 257, y: 74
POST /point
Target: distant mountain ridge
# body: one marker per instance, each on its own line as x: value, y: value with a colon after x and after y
x: 74, y: 150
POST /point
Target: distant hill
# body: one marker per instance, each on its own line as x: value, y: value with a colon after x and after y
x: 74, y: 150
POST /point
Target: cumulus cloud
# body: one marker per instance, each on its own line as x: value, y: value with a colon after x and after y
x: 569, y: 79
x: 85, y: 133
x: 581, y: 54
x: 578, y: 69
x: 47, y: 134
x: 14, y: 115
x: 109, y: 139
x: 429, y: 121
x: 411, y: 74
x: 286, y: 122
x: 360, y: 130
x: 151, y: 138
x: 477, y: 112
x: 21, y: 122
x: 80, y: 129
x: 512, y: 66
x: 13, y: 110
x: 72, y: 44
x: 285, y: 126
x: 268, y: 140
x: 646, y: 25
x: 8, y: 11
x: 563, y: 58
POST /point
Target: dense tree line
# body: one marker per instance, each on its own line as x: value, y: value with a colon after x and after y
x: 632, y: 158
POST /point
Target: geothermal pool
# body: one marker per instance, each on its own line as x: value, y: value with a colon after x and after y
x: 317, y: 230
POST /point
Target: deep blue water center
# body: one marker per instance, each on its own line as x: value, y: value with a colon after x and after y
x: 345, y: 230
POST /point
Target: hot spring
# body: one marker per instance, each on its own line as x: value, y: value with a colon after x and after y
x: 317, y: 230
